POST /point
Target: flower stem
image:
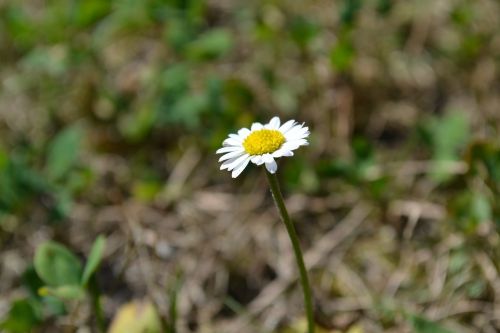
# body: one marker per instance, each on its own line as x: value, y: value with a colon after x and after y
x: 95, y: 295
x: 304, y: 280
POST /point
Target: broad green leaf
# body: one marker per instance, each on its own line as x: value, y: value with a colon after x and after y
x: 350, y: 11
x: 450, y: 134
x: 94, y: 259
x: 210, y: 45
x: 23, y: 316
x: 423, y: 325
x: 303, y: 30
x: 63, y: 152
x: 447, y: 136
x: 179, y: 33
x: 187, y: 110
x: 56, y: 265
x: 68, y: 292
x: 175, y: 79
x: 342, y: 55
x: 88, y: 11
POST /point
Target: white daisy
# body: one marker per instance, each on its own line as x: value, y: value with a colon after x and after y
x: 261, y: 144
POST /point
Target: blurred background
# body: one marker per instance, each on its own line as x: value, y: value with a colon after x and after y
x: 110, y: 116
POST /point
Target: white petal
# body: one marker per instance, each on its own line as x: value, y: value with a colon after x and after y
x: 237, y: 162
x: 274, y: 123
x: 282, y: 152
x: 227, y: 149
x: 267, y: 158
x: 286, y: 126
x: 294, y: 144
x: 231, y: 155
x: 297, y: 131
x: 228, y: 162
x: 296, y: 136
x: 300, y: 142
x: 236, y: 137
x: 236, y: 172
x: 257, y: 160
x: 256, y: 126
x: 243, y: 132
x: 272, y: 167
x: 231, y: 142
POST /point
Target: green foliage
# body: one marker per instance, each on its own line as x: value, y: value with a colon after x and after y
x: 210, y: 45
x: 342, y: 55
x: 446, y: 136
x: 62, y: 271
x: 362, y: 169
x: 350, y: 10
x: 484, y: 160
x: 64, y: 292
x: 423, y: 325
x: 57, y: 275
x: 63, y: 152
x: 471, y: 209
x: 94, y: 259
x: 303, y: 30
x: 57, y: 266
x: 18, y: 181
x: 23, y: 317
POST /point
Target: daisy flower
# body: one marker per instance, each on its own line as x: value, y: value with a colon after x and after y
x: 262, y: 144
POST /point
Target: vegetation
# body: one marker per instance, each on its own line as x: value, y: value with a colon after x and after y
x: 112, y: 206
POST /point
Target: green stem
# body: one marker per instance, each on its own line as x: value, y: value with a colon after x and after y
x: 95, y: 295
x: 304, y: 280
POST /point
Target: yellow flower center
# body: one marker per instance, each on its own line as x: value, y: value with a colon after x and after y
x: 263, y: 141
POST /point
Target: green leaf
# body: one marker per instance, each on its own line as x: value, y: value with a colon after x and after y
x: 342, y: 55
x: 187, y: 110
x: 23, y: 317
x: 136, y: 125
x: 63, y: 152
x: 146, y: 190
x: 89, y: 11
x: 32, y: 282
x: 450, y: 134
x: 56, y: 265
x: 447, y: 136
x: 303, y: 31
x: 423, y: 325
x: 94, y: 259
x: 210, y: 45
x: 175, y: 79
x: 179, y: 33
x: 68, y: 292
x: 481, y: 208
x: 350, y: 11
x: 470, y: 209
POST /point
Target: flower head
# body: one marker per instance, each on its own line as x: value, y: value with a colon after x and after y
x: 261, y: 144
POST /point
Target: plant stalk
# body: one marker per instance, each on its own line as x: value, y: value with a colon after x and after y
x: 95, y: 295
x: 304, y: 280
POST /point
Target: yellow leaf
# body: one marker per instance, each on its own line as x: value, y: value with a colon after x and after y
x: 136, y: 317
x: 356, y: 329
